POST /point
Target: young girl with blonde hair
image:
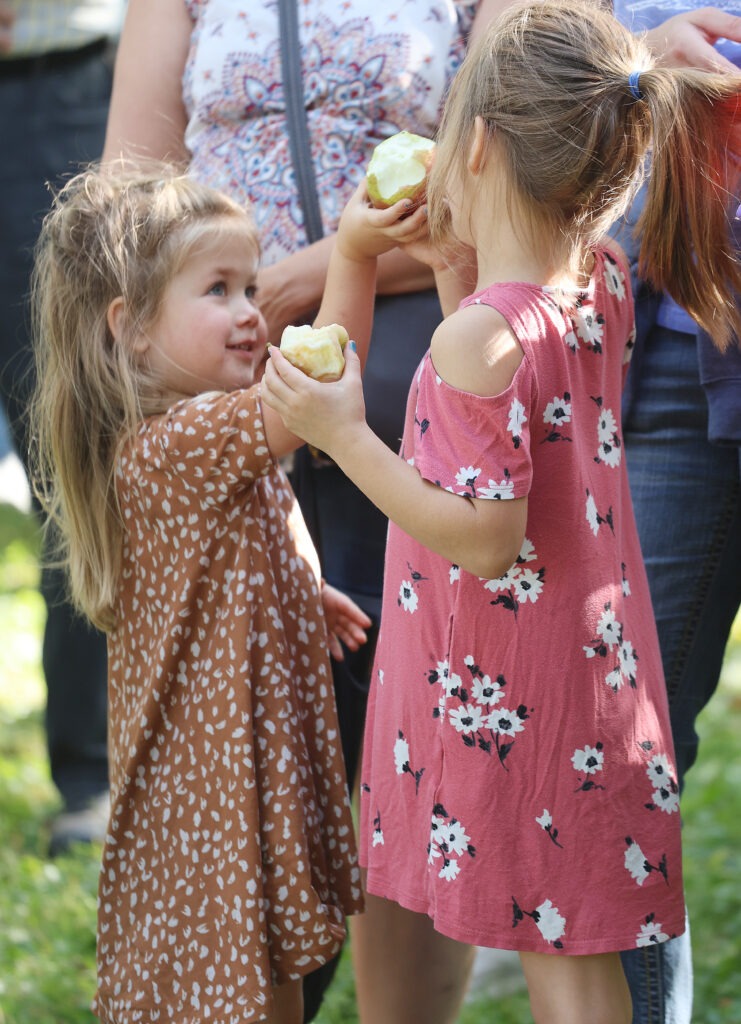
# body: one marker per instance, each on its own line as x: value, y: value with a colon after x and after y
x: 518, y: 782
x: 229, y: 863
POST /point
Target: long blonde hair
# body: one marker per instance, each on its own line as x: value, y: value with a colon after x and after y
x: 552, y: 82
x: 112, y: 231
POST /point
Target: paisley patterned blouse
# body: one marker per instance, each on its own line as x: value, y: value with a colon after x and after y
x: 369, y: 69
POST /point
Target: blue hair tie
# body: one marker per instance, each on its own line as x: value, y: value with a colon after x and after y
x: 633, y: 85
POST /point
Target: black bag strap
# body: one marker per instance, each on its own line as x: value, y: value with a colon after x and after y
x: 298, y: 129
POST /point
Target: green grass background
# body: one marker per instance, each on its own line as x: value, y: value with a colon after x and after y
x: 47, y: 909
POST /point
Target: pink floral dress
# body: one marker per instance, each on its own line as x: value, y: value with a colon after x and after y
x: 518, y: 783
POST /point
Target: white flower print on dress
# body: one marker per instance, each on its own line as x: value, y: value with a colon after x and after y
x: 558, y: 411
x: 609, y: 445
x: 449, y: 840
x: 466, y: 719
x: 407, y: 598
x: 546, y: 823
x: 659, y: 770
x: 450, y: 681
x: 594, y: 518
x: 450, y: 870
x: 450, y: 685
x: 571, y: 340
x: 625, y: 581
x: 665, y: 795
x: 516, y: 421
x: 401, y: 761
x: 486, y: 691
x: 456, y: 838
x: 589, y: 327
x: 466, y: 477
x: 608, y: 628
x: 506, y: 723
x: 614, y: 278
x: 651, y: 933
x: 423, y: 424
x: 518, y: 585
x: 609, y: 635
x: 551, y: 924
x: 638, y: 865
x: 557, y: 414
x: 377, y: 830
x: 527, y: 586
x: 588, y: 761
x: 478, y: 721
x: 502, y: 491
x: 503, y: 582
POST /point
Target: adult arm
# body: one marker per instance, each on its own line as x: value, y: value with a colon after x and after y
x: 146, y: 116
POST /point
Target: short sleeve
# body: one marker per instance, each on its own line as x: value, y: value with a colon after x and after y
x: 215, y: 442
x: 472, y: 445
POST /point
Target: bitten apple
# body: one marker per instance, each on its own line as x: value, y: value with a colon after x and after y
x: 318, y: 351
x: 398, y: 169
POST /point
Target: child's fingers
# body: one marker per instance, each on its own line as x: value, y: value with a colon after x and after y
x: 274, y: 389
x: 350, y: 634
x: 287, y: 372
x: 351, y: 613
x: 335, y: 647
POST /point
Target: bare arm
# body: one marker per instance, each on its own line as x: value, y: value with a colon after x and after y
x: 364, y: 236
x: 483, y: 537
x: 146, y: 116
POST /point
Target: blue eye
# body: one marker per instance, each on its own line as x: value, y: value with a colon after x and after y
x: 217, y: 289
x: 251, y: 292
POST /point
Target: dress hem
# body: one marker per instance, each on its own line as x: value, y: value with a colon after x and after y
x: 494, y: 940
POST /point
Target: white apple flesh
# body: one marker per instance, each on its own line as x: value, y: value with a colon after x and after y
x: 398, y: 169
x: 318, y: 351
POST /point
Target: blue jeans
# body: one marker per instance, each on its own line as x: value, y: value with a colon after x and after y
x: 686, y: 498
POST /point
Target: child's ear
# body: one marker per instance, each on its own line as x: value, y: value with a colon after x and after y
x: 477, y: 149
x: 116, y: 317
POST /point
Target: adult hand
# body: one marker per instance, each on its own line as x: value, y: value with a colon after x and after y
x: 688, y: 39
x: 7, y: 18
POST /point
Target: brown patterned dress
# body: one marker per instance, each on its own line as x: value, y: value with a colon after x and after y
x: 230, y: 859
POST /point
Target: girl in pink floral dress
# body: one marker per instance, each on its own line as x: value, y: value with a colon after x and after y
x: 518, y: 782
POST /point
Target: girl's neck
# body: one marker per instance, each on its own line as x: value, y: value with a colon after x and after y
x: 505, y: 255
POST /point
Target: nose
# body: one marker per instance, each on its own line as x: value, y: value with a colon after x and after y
x: 247, y: 311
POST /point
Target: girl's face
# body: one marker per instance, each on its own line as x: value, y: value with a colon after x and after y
x: 210, y: 335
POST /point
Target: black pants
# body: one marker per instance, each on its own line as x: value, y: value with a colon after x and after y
x: 52, y: 118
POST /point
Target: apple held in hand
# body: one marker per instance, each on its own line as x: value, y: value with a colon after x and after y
x: 398, y: 169
x: 318, y: 351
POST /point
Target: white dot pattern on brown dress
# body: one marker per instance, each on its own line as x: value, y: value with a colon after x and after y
x: 230, y: 859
